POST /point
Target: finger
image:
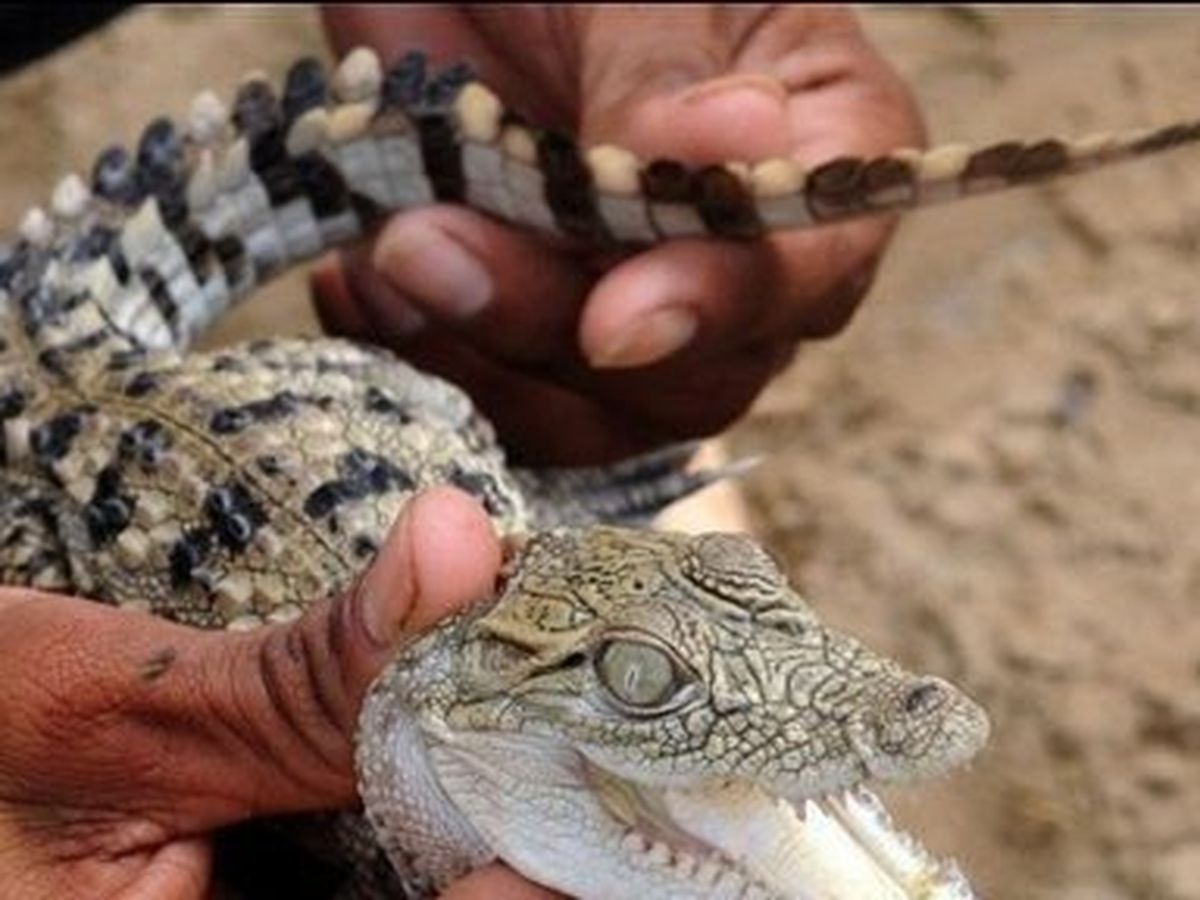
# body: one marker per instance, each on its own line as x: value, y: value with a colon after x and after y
x: 659, y: 82
x: 509, y: 293
x: 190, y: 729
x: 519, y: 404
x: 713, y: 298
x: 598, y: 417
x: 805, y: 85
x: 685, y: 398
x: 293, y: 694
x: 76, y: 868
x: 497, y: 882
x: 353, y: 300
x: 179, y: 871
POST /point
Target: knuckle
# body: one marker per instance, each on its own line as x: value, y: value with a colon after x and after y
x: 305, y: 685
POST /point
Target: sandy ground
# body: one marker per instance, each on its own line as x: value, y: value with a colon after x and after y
x: 991, y: 474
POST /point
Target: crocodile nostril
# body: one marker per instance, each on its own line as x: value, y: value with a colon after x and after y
x: 924, y: 698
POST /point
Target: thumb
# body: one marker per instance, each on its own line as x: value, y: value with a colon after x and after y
x: 192, y: 730
x: 298, y: 689
x: 663, y: 82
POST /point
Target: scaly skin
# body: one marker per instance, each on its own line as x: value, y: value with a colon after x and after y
x: 594, y: 724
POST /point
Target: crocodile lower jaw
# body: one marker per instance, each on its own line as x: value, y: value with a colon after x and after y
x: 843, y: 846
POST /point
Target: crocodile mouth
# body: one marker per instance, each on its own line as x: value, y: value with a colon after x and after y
x: 837, y: 847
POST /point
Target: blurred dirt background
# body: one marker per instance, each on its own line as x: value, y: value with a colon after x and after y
x: 993, y: 474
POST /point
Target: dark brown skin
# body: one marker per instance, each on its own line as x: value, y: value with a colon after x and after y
x: 125, y: 741
x: 580, y: 359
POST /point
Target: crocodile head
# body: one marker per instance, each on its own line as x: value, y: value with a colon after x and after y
x: 649, y: 714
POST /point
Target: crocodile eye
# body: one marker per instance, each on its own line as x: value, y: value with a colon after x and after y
x: 639, y: 674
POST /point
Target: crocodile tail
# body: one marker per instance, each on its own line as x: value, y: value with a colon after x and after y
x: 631, y: 492
x: 158, y: 241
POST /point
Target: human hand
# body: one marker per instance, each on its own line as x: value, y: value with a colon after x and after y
x: 581, y: 359
x: 127, y: 740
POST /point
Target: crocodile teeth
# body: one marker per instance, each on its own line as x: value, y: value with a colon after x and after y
x: 835, y: 848
x: 898, y: 853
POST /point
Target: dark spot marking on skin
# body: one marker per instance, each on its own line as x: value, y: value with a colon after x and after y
x: 39, y: 307
x: 144, y: 443
x: 231, y: 254
x: 568, y: 187
x: 12, y: 403
x: 53, y: 360
x: 156, y: 287
x: 82, y: 344
x: 158, y: 664
x: 885, y: 173
x: 107, y: 517
x: 235, y: 515
x: 364, y: 546
x: 725, y: 205
x: 52, y: 440
x: 442, y: 89
x: 481, y: 486
x: 188, y: 553
x: 197, y: 248
x: 114, y: 177
x: 230, y: 420
x: 441, y: 155
x: 1171, y: 136
x: 995, y: 161
x: 363, y: 474
x: 160, y: 172
x: 667, y: 181
x: 281, y: 181
x: 323, y: 184
x: 269, y: 465
x: 15, y: 265
x: 141, y: 384
x: 233, y: 419
x: 1040, y: 159
x: 108, y: 512
x: 368, y: 209
x: 261, y: 120
x: 381, y: 403
x: 404, y: 83
x: 125, y: 359
x: 95, y: 243
x: 836, y: 187
x: 324, y: 499
x: 256, y: 110
x: 304, y: 88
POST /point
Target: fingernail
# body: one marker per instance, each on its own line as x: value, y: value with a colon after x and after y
x: 745, y: 84
x: 648, y: 340
x: 388, y: 585
x: 421, y: 260
x: 401, y: 320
